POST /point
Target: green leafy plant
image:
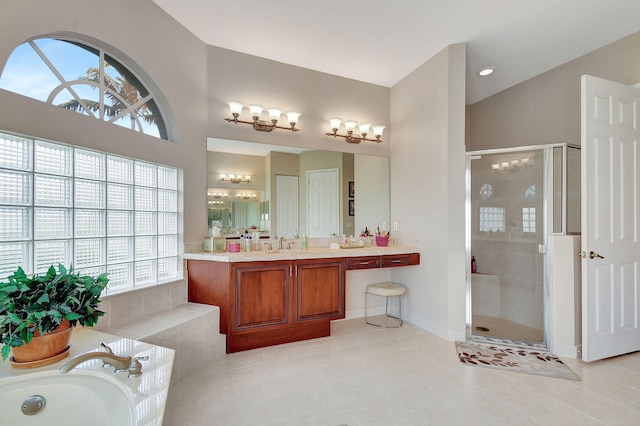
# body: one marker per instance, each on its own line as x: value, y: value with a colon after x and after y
x: 40, y: 303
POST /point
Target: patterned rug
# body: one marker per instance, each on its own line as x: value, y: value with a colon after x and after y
x: 514, y: 359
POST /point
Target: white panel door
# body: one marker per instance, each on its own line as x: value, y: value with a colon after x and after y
x: 323, y: 201
x: 286, y: 210
x: 610, y: 218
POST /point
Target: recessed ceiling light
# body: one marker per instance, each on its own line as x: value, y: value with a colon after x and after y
x: 486, y: 71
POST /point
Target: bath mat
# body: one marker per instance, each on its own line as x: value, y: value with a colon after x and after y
x: 514, y: 359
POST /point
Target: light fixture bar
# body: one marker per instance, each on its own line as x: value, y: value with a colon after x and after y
x: 255, y: 111
x: 352, y: 136
x: 234, y: 178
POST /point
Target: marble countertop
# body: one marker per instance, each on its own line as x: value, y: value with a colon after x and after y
x: 295, y: 254
x: 149, y: 390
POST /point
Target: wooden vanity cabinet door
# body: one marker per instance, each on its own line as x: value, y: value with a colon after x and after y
x: 320, y: 291
x: 261, y: 295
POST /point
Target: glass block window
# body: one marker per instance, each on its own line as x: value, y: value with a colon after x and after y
x: 529, y: 220
x: 492, y: 219
x: 95, y: 211
x: 86, y: 79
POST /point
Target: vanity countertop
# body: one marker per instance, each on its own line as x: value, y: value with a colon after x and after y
x: 295, y: 254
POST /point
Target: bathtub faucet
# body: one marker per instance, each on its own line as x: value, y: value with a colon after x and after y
x: 119, y: 363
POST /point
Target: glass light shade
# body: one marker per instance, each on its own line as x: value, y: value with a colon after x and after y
x: 495, y: 166
x: 247, y: 177
x: 235, y: 107
x: 292, y: 116
x: 223, y: 176
x: 274, y: 113
x: 255, y: 110
x: 335, y: 123
x: 364, y: 128
x: 377, y: 130
x: 350, y: 125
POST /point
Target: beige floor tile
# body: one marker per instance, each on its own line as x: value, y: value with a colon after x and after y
x: 364, y: 376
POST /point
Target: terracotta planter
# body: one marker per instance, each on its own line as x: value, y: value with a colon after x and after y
x: 45, y: 347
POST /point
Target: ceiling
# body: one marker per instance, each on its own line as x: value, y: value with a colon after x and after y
x: 382, y: 41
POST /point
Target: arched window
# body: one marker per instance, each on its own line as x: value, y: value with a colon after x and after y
x: 486, y: 191
x: 85, y: 79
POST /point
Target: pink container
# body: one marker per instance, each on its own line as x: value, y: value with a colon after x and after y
x: 234, y: 247
x: 382, y: 241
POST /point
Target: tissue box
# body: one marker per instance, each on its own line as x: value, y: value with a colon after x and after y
x: 382, y: 241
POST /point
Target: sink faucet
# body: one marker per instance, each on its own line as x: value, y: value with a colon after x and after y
x: 281, y: 244
x: 120, y: 363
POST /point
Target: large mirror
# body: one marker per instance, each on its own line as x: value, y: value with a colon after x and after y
x: 289, y: 191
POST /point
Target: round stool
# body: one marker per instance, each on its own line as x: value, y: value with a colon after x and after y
x: 386, y: 290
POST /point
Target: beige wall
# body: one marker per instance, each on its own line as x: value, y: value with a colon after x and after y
x: 428, y: 189
x: 546, y: 108
x: 318, y: 96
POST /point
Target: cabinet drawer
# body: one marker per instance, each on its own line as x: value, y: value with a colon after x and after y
x: 363, y: 262
x: 396, y: 260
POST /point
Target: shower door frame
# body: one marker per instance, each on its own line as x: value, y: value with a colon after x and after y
x: 547, y: 211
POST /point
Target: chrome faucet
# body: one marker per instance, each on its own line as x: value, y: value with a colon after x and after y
x: 281, y: 244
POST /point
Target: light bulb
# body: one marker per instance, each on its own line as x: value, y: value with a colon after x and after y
x: 255, y: 110
x: 350, y: 125
x: 274, y: 114
x: 335, y: 123
x: 235, y: 107
x: 292, y: 117
x: 364, y: 128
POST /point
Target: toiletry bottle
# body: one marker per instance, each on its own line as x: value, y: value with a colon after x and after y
x: 305, y: 241
x: 474, y: 265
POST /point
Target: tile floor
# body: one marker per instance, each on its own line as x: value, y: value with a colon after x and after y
x: 365, y: 376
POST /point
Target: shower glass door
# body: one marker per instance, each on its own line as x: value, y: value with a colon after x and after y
x: 506, y: 236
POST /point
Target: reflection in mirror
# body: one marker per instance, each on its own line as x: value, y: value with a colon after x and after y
x: 280, y: 181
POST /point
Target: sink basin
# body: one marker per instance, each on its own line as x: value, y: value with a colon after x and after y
x: 80, y: 397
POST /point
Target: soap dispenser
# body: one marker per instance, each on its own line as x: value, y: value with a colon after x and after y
x: 305, y: 241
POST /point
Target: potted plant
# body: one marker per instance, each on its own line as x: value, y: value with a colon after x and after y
x: 40, y: 306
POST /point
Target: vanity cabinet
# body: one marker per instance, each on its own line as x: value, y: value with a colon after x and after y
x: 273, y: 302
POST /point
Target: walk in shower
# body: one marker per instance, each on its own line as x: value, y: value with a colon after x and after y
x: 516, y: 199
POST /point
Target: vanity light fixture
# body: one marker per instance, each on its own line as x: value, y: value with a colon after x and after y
x: 246, y: 196
x: 234, y: 178
x: 218, y: 195
x: 504, y: 165
x: 352, y: 136
x: 258, y: 124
